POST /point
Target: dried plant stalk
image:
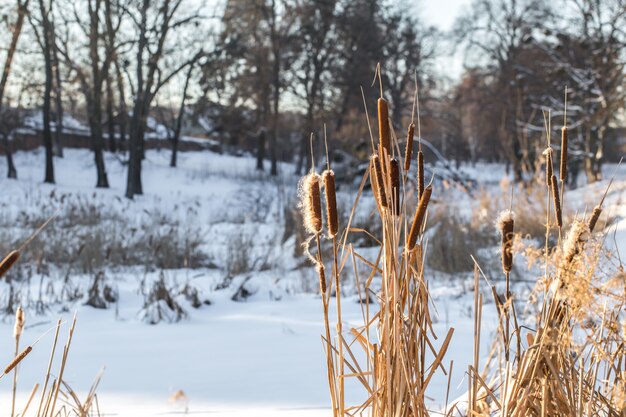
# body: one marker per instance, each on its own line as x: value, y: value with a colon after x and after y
x: 408, y: 153
x: 564, y: 140
x: 418, y: 219
x: 549, y: 166
x: 383, y: 125
x: 332, y: 217
x: 395, y: 185
x: 557, y: 201
x: 8, y: 262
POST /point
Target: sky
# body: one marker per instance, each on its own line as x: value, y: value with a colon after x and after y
x: 441, y: 13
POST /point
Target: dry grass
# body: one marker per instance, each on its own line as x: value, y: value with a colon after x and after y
x: 569, y: 361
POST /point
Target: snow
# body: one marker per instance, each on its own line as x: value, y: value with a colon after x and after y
x: 260, y: 357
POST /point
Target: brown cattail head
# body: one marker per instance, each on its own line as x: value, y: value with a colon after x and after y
x: 383, y: 125
x: 557, y: 201
x: 506, y: 225
x: 549, y: 166
x: 19, y: 323
x: 380, y: 184
x: 420, y: 174
x: 408, y: 154
x: 310, y: 203
x: 418, y: 219
x: 394, y: 172
x: 328, y: 177
x: 8, y: 262
x: 17, y: 359
x: 594, y: 218
x: 564, y: 140
x: 322, y: 274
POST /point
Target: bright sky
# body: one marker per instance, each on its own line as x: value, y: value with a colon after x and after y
x: 441, y: 13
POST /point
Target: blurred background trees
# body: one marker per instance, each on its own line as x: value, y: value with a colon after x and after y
x: 264, y: 76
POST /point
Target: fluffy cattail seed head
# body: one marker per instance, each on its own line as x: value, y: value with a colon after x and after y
x: 420, y: 174
x: 310, y: 203
x: 557, y: 201
x: 17, y: 359
x: 549, y: 166
x: 394, y: 171
x: 564, y: 140
x: 328, y: 177
x: 408, y: 154
x: 380, y: 184
x: 506, y: 225
x: 8, y: 262
x: 577, y: 236
x: 383, y: 125
x: 19, y: 323
x: 594, y: 217
x: 418, y: 219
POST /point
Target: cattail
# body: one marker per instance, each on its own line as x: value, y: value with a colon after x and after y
x: 383, y: 125
x: 408, y: 154
x: 17, y: 359
x: 380, y: 184
x: 322, y: 274
x: 19, y: 323
x: 395, y: 185
x: 564, y: 139
x: 328, y: 177
x: 594, y: 218
x: 8, y: 262
x: 557, y: 201
x: 311, y: 204
x: 420, y: 174
x: 420, y: 213
x: 549, y: 166
x: 506, y: 224
x: 578, y: 235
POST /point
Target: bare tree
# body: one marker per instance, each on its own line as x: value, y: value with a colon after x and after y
x: 43, y: 27
x: 22, y: 10
x: 154, y: 24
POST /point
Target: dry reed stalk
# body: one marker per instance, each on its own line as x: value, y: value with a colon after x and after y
x: 394, y: 172
x: 332, y: 217
x: 66, y: 351
x: 47, y: 378
x: 379, y: 181
x: 408, y: 153
x: 17, y: 333
x: 8, y: 262
x: 418, y: 219
x: 383, y: 125
x: 420, y: 174
x: 30, y: 399
x: 557, y: 201
x: 563, y: 167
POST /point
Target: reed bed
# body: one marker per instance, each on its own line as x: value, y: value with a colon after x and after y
x: 567, y: 360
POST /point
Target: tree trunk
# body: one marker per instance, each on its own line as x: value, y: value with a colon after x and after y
x: 95, y: 124
x: 58, y: 102
x: 260, y: 150
x: 133, y: 183
x: 47, y: 100
x: 11, y: 172
x: 110, y: 121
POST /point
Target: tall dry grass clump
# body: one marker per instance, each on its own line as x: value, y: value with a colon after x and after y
x: 569, y: 360
x: 397, y: 341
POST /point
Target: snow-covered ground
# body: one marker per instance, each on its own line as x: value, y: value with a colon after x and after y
x: 259, y: 357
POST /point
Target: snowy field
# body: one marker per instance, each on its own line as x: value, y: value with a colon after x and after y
x: 259, y: 357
